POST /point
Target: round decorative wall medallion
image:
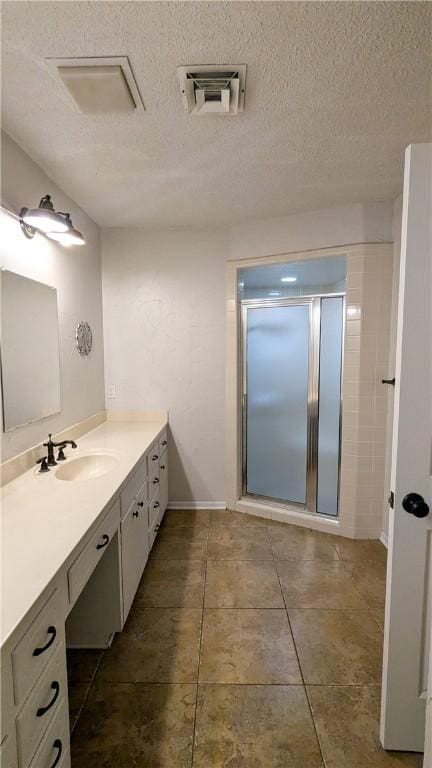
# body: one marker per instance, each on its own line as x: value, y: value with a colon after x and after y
x: 84, y: 338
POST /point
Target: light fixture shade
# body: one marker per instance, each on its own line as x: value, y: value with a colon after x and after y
x: 45, y: 220
x: 70, y: 237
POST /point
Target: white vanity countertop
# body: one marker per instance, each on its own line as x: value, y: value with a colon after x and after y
x: 43, y: 519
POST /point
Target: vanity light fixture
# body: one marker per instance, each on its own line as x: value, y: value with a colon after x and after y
x: 44, y: 218
x: 72, y: 236
x: 55, y: 224
x: 288, y: 279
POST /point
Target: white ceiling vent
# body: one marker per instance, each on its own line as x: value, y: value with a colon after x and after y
x: 99, y: 85
x: 213, y: 89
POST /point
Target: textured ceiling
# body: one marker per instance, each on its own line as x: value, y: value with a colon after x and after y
x: 335, y: 91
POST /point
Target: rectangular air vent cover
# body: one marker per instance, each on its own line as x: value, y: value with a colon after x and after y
x: 213, y: 89
x: 99, y: 85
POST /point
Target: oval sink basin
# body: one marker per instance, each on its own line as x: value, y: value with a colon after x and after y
x: 86, y: 467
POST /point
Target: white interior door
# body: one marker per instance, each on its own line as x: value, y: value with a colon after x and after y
x: 409, y: 591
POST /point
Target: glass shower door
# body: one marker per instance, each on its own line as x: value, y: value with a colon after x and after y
x: 276, y: 376
x: 329, y: 398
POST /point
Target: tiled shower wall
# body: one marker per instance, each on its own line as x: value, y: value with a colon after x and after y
x: 364, y: 421
x: 364, y: 406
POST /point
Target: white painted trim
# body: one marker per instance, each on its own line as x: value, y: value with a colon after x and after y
x: 384, y: 539
x: 197, y: 505
x: 351, y: 522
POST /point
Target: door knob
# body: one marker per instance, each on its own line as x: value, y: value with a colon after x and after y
x: 415, y: 505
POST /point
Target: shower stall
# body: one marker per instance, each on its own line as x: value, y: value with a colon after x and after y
x: 292, y: 356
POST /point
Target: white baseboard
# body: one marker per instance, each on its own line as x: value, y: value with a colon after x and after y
x: 197, y: 505
x: 384, y: 539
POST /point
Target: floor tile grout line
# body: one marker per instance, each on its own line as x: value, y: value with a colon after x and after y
x: 199, y: 653
x: 301, y: 672
x: 252, y: 685
x: 207, y: 559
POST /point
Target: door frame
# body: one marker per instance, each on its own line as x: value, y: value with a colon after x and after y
x: 365, y: 262
x: 313, y: 301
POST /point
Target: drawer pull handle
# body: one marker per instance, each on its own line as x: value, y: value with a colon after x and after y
x: 105, y: 542
x: 155, y: 481
x: 140, y: 503
x: 155, y: 457
x: 157, y: 528
x: 43, y: 710
x: 135, y: 514
x: 51, y: 631
x: 156, y: 505
x: 59, y: 747
x: 162, y: 466
x: 164, y: 442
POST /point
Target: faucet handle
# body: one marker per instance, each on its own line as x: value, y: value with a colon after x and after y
x: 61, y: 456
x: 50, y: 442
x: 44, y: 464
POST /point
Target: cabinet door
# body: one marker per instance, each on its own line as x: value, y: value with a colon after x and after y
x: 163, y: 483
x: 134, y: 546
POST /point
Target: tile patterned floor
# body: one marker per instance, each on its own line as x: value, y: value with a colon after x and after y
x: 250, y: 644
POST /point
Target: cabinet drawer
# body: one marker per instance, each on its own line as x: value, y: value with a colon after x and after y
x: 154, y: 528
x: 54, y: 748
x: 154, y: 508
x: 86, y: 562
x: 38, y: 646
x: 41, y: 706
x: 152, y: 459
x: 163, y: 442
x: 134, y: 485
x: 163, y: 486
x: 154, y: 482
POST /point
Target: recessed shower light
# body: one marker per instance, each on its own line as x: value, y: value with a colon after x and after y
x: 288, y: 279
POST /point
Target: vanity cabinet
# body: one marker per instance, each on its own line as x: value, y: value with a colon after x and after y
x: 34, y: 689
x: 42, y: 705
x: 86, y: 601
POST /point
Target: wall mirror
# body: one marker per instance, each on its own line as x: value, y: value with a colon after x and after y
x: 30, y: 364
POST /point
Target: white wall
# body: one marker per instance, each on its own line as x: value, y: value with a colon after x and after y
x: 164, y: 320
x: 328, y: 227
x: 75, y: 272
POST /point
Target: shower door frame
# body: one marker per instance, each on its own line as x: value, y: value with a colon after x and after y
x: 314, y: 303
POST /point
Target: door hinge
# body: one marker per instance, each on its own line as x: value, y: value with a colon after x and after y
x: 391, y: 500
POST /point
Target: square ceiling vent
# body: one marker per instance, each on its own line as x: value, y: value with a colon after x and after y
x: 213, y: 89
x: 99, y: 85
